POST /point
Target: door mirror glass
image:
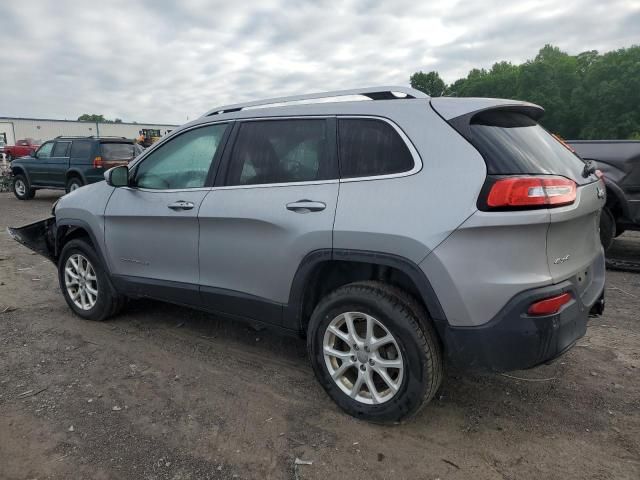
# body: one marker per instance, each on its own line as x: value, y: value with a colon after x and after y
x: 117, y: 176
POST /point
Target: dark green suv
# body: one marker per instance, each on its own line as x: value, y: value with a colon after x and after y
x: 69, y: 163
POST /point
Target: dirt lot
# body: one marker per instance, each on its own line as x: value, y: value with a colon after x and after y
x: 164, y: 392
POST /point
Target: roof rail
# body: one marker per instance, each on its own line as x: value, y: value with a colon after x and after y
x: 91, y: 136
x: 373, y: 93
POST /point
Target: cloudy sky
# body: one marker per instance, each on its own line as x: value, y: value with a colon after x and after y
x: 166, y: 61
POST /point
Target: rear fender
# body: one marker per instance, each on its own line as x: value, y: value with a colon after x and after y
x: 39, y: 237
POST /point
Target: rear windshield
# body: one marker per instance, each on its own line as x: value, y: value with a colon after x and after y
x: 118, y: 151
x: 513, y: 143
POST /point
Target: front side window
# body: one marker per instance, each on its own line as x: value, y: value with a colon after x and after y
x: 45, y: 150
x: 371, y: 147
x: 61, y: 149
x: 280, y: 151
x: 182, y: 162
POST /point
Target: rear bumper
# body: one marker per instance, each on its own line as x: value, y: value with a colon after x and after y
x: 514, y: 340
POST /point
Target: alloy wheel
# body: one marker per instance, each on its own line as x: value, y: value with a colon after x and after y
x: 81, y: 281
x: 363, y: 358
x: 21, y: 188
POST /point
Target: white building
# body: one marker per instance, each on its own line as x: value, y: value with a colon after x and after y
x: 41, y: 129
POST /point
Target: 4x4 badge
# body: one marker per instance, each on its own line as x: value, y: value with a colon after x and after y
x: 601, y: 192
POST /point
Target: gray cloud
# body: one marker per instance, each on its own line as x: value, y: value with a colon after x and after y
x: 165, y: 61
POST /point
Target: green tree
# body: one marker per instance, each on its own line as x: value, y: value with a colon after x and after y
x: 91, y: 117
x: 589, y: 95
x: 94, y: 117
x: 429, y: 83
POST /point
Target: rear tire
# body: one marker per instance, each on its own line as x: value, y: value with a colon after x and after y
x: 411, y: 346
x: 22, y: 188
x: 607, y: 228
x: 84, y: 283
x: 73, y: 184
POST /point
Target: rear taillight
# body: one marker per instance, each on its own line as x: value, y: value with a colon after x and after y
x: 97, y: 162
x: 550, y: 305
x: 530, y: 192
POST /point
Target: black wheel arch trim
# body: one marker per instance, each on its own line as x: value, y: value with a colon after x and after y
x: 292, y: 314
x: 72, y: 222
x: 74, y: 172
x: 21, y: 170
x: 619, y: 195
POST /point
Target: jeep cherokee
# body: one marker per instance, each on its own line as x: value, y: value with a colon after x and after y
x: 393, y: 230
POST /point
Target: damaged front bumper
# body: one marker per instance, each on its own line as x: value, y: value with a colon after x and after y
x: 39, y: 237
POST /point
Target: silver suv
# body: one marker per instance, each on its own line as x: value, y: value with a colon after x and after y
x: 394, y: 231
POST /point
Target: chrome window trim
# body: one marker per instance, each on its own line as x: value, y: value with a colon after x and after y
x: 417, y: 160
x: 282, y: 184
x: 169, y: 190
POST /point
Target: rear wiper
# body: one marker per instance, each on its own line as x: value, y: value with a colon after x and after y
x: 589, y: 168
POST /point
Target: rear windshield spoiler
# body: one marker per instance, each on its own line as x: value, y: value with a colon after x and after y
x: 450, y: 108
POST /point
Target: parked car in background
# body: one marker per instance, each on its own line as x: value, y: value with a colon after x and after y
x: 22, y: 147
x: 619, y: 160
x: 393, y: 233
x: 69, y: 163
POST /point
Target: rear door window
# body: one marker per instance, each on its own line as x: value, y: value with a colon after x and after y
x: 80, y: 149
x: 117, y: 151
x: 512, y: 143
x: 371, y: 147
x: 281, y: 151
x: 61, y: 149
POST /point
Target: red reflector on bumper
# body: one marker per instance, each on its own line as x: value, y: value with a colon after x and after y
x: 550, y: 305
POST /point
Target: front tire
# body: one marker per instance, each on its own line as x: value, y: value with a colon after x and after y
x: 22, y: 188
x: 73, y: 184
x: 85, y: 284
x: 374, y: 352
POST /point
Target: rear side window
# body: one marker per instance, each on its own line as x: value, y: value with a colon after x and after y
x: 80, y: 149
x: 117, y: 151
x: 61, y: 149
x: 280, y: 151
x: 513, y: 143
x: 371, y: 147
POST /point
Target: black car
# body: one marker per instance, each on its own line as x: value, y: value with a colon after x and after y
x: 69, y: 163
x: 619, y: 160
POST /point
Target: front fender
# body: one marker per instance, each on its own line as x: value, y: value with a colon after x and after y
x: 39, y: 237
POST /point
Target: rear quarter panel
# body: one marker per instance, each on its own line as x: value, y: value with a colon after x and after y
x: 409, y: 216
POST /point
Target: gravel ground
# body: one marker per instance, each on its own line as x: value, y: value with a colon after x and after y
x: 162, y: 392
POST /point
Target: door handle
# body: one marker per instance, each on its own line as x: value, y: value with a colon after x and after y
x: 181, y: 205
x: 306, y: 206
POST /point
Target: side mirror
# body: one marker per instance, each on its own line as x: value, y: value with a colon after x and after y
x: 117, y: 176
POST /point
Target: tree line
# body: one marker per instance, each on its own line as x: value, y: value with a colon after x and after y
x: 585, y: 96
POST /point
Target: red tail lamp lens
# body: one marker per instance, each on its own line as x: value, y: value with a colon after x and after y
x: 550, y: 305
x: 531, y: 192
